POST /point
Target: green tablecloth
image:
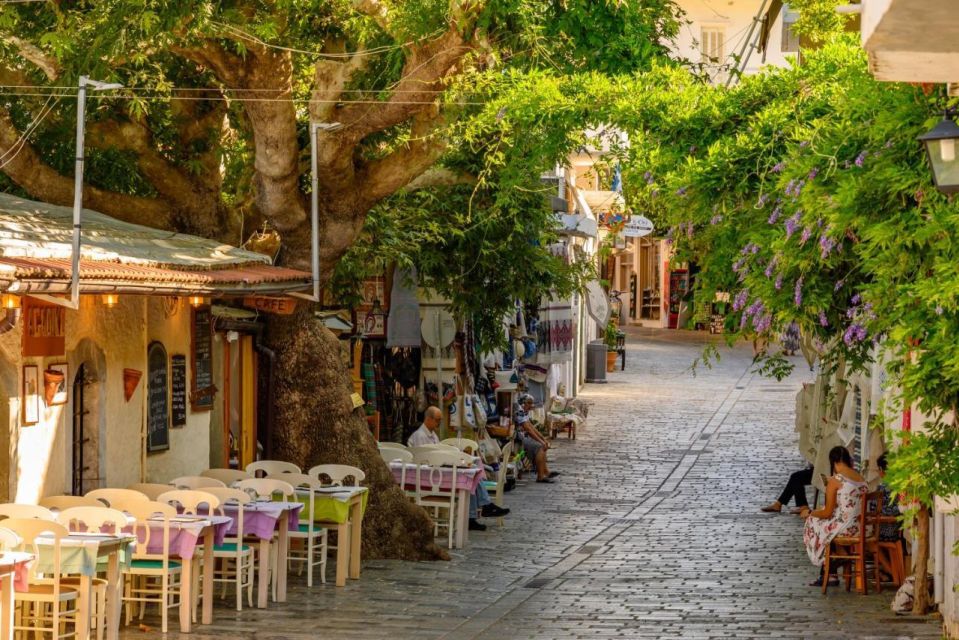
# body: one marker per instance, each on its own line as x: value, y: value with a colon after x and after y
x: 330, y: 507
x: 79, y: 554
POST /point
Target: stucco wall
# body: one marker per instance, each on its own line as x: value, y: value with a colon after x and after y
x: 189, y: 451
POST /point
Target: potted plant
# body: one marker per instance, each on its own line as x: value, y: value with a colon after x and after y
x: 610, y: 338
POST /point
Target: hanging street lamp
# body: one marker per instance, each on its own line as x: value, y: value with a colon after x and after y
x: 940, y: 146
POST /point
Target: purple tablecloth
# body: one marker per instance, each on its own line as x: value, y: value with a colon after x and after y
x: 260, y: 519
x: 185, y: 537
x: 467, y: 479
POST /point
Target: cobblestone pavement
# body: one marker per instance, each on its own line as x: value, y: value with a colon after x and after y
x: 653, y: 531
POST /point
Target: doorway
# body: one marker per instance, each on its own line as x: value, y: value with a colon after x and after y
x: 239, y: 400
x: 86, y: 440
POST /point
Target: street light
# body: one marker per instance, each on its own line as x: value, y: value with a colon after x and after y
x: 940, y: 146
x: 315, y: 128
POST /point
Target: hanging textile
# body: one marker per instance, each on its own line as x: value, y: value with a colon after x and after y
x: 403, y: 325
x: 555, y: 332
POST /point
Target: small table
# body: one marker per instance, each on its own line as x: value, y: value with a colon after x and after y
x: 13, y: 577
x: 79, y: 554
x: 262, y: 519
x: 467, y: 480
x: 342, y: 507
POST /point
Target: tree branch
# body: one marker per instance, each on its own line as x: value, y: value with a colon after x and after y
x: 32, y: 53
x: 376, y: 10
x: 440, y: 177
x: 41, y: 181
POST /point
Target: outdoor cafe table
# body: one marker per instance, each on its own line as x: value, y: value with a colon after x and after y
x: 343, y: 507
x: 13, y: 576
x: 186, y: 533
x: 80, y: 552
x: 261, y: 519
x: 467, y: 480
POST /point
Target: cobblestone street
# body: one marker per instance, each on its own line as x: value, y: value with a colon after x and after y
x: 652, y: 531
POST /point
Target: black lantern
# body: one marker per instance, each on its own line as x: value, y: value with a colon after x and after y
x: 941, y: 147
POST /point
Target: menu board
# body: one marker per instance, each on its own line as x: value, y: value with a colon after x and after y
x: 158, y: 399
x: 203, y: 391
x: 178, y: 390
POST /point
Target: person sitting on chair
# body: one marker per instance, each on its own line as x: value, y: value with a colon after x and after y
x: 795, y: 490
x: 480, y: 501
x: 532, y: 440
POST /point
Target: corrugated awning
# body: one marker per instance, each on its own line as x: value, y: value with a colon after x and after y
x: 53, y: 276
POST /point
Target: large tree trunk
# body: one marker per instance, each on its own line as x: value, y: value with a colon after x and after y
x: 920, y: 602
x: 315, y: 424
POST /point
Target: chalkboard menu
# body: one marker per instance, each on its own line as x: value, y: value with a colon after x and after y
x: 178, y: 390
x: 201, y: 395
x: 158, y: 399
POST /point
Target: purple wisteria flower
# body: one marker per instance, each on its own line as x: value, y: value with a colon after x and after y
x: 804, y: 144
x: 813, y: 173
x: 755, y: 308
x: 681, y: 192
x: 806, y: 234
x: 939, y: 310
x: 654, y: 193
x: 771, y: 267
x: 792, y: 224
x: 779, y: 166
x: 779, y: 282
x: 740, y: 300
x: 826, y: 245
x: 692, y: 149
x: 856, y: 299
x: 855, y: 333
x: 823, y: 321
x: 716, y: 219
x: 648, y: 177
x: 797, y: 292
x: 860, y: 159
x: 839, y: 285
x: 888, y: 144
x: 774, y: 216
x: 738, y: 265
x: 763, y: 199
x: 761, y: 323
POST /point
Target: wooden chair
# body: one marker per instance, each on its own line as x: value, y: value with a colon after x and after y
x: 236, y: 559
x: 888, y: 553
x: 196, y: 482
x: 463, y: 444
x: 191, y: 501
x: 226, y: 476
x: 621, y: 348
x: 338, y: 473
x: 118, y: 498
x: 853, y: 550
x: 151, y: 490
x: 65, y: 502
x: 49, y: 593
x: 267, y: 487
x: 152, y: 577
x: 26, y: 511
x: 496, y: 488
x: 431, y: 495
x: 271, y: 468
x: 314, y: 537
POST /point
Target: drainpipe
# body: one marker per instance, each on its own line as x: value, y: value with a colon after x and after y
x: 9, y: 321
x: 267, y: 402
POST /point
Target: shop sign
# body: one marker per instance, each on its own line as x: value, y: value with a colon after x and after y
x: 597, y: 303
x: 637, y: 227
x: 271, y: 304
x: 44, y: 329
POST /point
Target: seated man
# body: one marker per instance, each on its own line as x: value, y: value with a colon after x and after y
x: 479, y: 499
x: 796, y: 490
x: 532, y: 440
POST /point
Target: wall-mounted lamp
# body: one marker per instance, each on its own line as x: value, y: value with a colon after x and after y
x: 9, y: 301
x: 940, y: 146
x: 110, y: 300
x: 198, y: 301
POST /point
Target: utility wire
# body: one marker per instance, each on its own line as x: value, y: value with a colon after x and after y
x: 165, y: 98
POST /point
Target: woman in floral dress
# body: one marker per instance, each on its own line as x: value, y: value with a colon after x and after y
x: 840, y: 515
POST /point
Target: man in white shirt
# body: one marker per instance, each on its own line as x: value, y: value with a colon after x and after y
x: 426, y: 434
x: 479, y: 500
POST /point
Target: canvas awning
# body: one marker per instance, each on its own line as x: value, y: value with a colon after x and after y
x: 604, y: 201
x: 115, y: 256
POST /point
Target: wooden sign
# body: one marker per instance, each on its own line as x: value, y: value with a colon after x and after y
x: 271, y: 304
x: 44, y: 328
x: 158, y: 398
x: 178, y: 390
x: 203, y: 390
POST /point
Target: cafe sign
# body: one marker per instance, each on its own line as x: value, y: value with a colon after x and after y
x: 44, y: 328
x: 637, y: 227
x: 271, y: 304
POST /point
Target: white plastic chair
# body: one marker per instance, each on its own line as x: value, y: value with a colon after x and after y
x: 430, y: 493
x: 226, y: 476
x: 65, y: 502
x: 152, y: 490
x: 337, y: 473
x: 271, y: 468
x: 426, y: 449
x: 236, y: 558
x: 196, y: 482
x: 314, y: 536
x: 191, y: 501
x: 149, y: 567
x: 463, y: 444
x: 391, y: 445
x: 500, y: 483
x: 396, y: 455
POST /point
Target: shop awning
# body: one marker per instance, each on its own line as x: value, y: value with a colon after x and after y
x: 911, y: 40
x: 35, y: 257
x: 604, y: 201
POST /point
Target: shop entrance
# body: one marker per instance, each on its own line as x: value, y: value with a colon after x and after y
x: 239, y: 400
x: 86, y: 435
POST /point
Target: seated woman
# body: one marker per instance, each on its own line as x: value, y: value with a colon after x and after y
x: 840, y: 515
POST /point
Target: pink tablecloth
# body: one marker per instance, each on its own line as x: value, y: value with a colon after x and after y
x: 21, y: 565
x: 185, y: 537
x: 260, y: 518
x: 467, y: 479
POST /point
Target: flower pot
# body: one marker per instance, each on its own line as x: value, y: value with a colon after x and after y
x: 52, y: 379
x: 131, y: 378
x: 611, y: 361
